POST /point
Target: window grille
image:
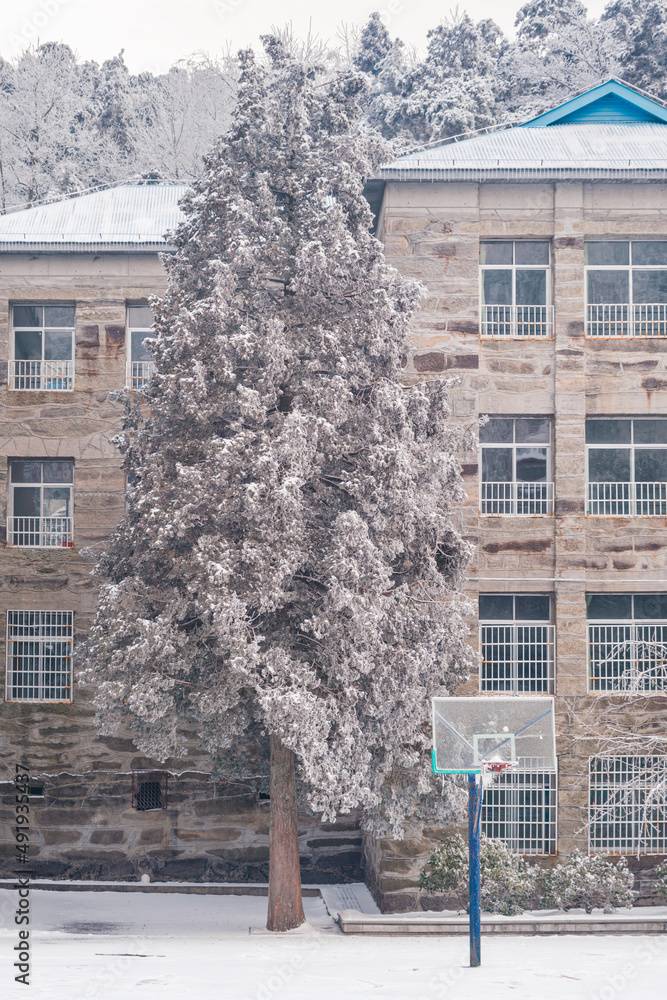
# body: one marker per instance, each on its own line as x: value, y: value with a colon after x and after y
x: 627, y: 643
x: 140, y: 366
x: 515, y: 467
x: 517, y: 644
x: 39, y: 656
x: 520, y: 808
x: 40, y: 503
x: 626, y: 288
x: 515, y: 286
x: 43, y: 348
x: 628, y: 805
x: 149, y: 790
x: 627, y: 467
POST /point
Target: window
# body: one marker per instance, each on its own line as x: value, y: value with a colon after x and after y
x: 40, y: 503
x: 43, y: 348
x: 627, y: 643
x: 520, y: 808
x: 516, y: 466
x: 516, y: 641
x: 39, y: 656
x: 140, y: 365
x: 628, y: 805
x: 626, y: 288
x: 515, y: 285
x: 149, y: 790
x: 627, y: 467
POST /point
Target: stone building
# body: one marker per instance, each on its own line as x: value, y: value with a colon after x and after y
x: 544, y: 249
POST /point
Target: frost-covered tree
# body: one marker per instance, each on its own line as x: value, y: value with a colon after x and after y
x: 286, y: 576
x: 640, y: 31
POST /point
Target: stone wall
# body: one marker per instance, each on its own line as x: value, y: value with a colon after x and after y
x: 86, y: 827
x: 431, y: 232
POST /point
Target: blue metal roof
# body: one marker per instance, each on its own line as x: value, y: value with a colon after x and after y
x: 132, y: 217
x: 610, y: 102
x: 608, y: 133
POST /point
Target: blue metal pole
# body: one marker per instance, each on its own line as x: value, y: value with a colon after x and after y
x: 474, y: 825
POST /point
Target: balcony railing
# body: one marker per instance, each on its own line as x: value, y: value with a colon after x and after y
x: 626, y: 320
x: 517, y: 322
x: 517, y: 658
x: 40, y: 532
x: 138, y: 374
x: 41, y: 376
x: 516, y: 499
x: 627, y: 657
x: 626, y: 500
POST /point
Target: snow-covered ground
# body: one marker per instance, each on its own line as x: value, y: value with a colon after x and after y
x: 99, y: 945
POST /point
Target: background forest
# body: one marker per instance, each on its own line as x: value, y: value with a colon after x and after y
x: 68, y: 125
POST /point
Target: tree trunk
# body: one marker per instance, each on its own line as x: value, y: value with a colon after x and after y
x: 285, y: 906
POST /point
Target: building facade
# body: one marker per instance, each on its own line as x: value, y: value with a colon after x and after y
x: 544, y: 250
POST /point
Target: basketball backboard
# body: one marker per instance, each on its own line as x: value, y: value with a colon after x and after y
x: 469, y: 733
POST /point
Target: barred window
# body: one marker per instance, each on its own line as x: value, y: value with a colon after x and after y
x: 516, y: 467
x: 149, y: 790
x: 628, y: 805
x: 43, y: 348
x: 627, y: 643
x: 39, y: 656
x: 140, y: 365
x: 515, y: 286
x: 626, y: 288
x: 40, y: 503
x: 516, y: 641
x: 627, y: 467
x: 520, y: 809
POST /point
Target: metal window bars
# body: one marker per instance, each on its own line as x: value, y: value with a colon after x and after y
x: 41, y: 376
x: 40, y: 532
x: 517, y: 322
x: 517, y: 499
x: 39, y: 656
x: 627, y: 657
x: 624, y: 320
x: 149, y: 790
x: 138, y: 373
x: 517, y: 658
x: 626, y: 500
x: 520, y: 808
x: 627, y: 805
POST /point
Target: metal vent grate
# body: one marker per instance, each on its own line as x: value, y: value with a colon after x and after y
x: 149, y: 790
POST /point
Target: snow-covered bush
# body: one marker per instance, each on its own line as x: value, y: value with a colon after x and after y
x: 661, y: 878
x: 588, y: 881
x: 508, y: 882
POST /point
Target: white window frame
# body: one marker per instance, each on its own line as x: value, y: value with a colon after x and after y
x: 507, y: 800
x: 43, y: 532
x: 137, y: 372
x: 634, y: 644
x: 627, y: 805
x: 500, y: 322
x: 517, y: 634
x: 641, y: 320
x: 41, y: 376
x: 37, y: 630
x: 631, y: 499
x: 517, y: 498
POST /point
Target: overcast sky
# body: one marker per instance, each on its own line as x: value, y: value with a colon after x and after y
x: 155, y: 33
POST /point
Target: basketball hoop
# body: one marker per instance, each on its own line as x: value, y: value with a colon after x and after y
x: 491, y: 769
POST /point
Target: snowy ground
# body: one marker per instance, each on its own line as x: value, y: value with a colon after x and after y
x: 90, y: 945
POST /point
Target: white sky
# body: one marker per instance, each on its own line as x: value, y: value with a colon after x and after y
x: 155, y: 33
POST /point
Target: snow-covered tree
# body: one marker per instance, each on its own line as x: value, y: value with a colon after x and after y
x: 286, y: 576
x: 640, y: 31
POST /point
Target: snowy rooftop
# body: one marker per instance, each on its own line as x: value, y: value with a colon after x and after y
x: 128, y: 217
x: 608, y: 133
